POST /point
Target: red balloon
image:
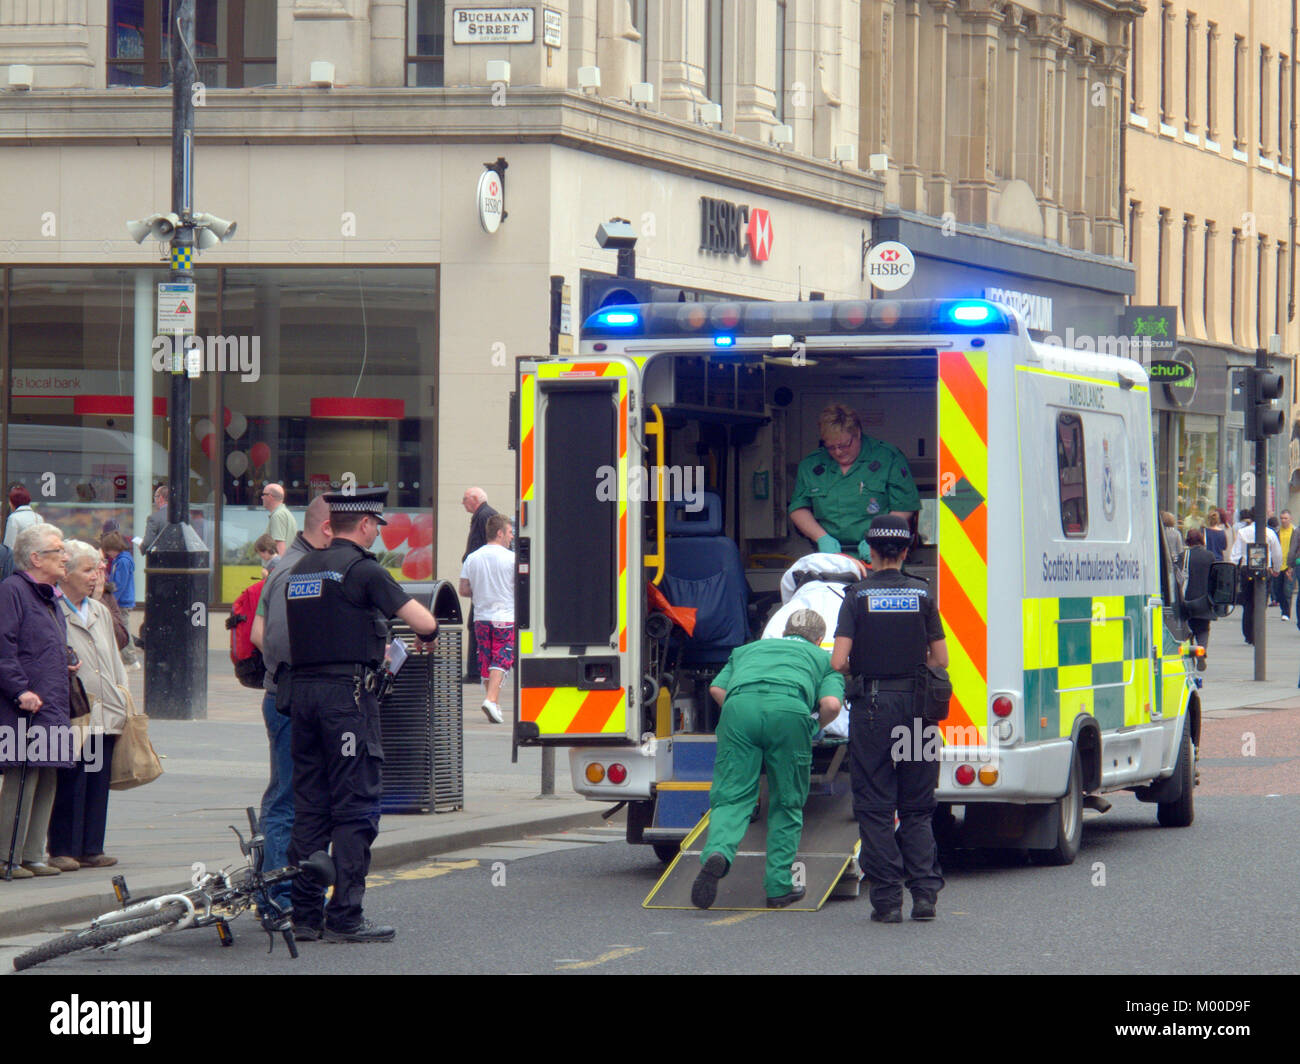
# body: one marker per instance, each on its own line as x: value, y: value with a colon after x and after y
x: 259, y: 454
x: 418, y: 564
x: 395, y: 532
x: 206, y: 444
x: 421, y: 531
x: 225, y: 417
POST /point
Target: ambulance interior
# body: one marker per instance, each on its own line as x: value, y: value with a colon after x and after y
x: 736, y: 428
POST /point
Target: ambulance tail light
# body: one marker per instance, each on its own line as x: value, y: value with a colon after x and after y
x: 988, y: 775
x: 617, y: 773
x: 965, y: 775
x: 1003, y: 706
x: 595, y: 773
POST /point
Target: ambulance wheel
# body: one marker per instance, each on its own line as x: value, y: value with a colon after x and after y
x: 666, y: 851
x: 1069, y: 821
x: 1179, y: 813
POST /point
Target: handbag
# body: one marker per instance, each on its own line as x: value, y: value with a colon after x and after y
x: 135, y: 762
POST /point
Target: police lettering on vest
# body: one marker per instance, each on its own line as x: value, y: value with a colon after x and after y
x: 329, y: 622
x: 889, y: 618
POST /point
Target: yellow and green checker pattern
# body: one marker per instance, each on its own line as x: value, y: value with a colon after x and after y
x: 1089, y: 654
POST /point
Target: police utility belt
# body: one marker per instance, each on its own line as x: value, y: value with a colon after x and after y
x: 929, y: 686
x: 378, y: 682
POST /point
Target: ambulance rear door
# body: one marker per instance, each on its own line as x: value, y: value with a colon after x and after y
x: 578, y: 593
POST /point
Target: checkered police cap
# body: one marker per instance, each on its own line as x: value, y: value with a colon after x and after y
x: 889, y: 529
x: 362, y: 501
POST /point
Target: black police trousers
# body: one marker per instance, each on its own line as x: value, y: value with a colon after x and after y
x: 887, y: 748
x: 337, y: 785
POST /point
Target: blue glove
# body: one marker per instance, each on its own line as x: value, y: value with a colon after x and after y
x: 828, y: 545
x: 864, y: 551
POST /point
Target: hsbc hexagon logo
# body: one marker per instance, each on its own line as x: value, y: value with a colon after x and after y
x: 735, y: 229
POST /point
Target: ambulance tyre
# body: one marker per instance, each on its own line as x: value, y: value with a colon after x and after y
x: 1069, y: 821
x: 666, y: 851
x: 1179, y: 813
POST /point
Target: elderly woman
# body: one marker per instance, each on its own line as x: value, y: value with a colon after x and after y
x: 35, y: 739
x: 81, y: 801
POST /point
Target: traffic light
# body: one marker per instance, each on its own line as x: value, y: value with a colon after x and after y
x: 1262, y: 387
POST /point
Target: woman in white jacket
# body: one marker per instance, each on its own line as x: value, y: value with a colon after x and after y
x: 80, y: 815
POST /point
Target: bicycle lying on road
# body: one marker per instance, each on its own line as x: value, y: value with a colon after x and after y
x: 214, y: 901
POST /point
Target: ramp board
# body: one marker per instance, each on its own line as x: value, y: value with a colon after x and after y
x: 828, y: 849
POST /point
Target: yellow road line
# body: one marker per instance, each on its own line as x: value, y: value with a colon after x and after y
x: 604, y: 958
x: 741, y: 917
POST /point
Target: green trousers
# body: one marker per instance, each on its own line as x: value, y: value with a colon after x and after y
x: 761, y: 732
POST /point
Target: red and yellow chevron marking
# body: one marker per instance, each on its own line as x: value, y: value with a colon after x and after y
x: 963, y: 541
x: 569, y: 711
x: 527, y: 412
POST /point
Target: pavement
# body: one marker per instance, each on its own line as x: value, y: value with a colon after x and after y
x: 176, y: 826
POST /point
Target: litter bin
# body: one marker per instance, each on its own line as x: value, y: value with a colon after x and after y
x: 423, y: 734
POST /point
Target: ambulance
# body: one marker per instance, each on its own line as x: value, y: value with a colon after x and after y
x: 654, y: 473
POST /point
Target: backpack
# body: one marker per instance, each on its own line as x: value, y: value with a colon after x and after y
x: 250, y: 670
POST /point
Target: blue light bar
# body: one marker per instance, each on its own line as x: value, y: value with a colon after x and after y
x: 617, y: 316
x: 724, y: 341
x: 971, y: 313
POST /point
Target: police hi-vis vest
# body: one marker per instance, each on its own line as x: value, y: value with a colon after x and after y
x: 325, y: 626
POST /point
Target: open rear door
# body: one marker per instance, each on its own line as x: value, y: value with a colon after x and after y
x: 578, y: 594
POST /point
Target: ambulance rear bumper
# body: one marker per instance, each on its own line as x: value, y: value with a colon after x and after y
x: 1036, y: 772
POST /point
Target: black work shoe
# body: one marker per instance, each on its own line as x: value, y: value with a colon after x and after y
x: 786, y: 899
x: 887, y: 916
x: 704, y: 891
x: 922, y: 908
x: 363, y: 932
x: 306, y: 933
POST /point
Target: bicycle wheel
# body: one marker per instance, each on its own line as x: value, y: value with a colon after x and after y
x: 93, y: 938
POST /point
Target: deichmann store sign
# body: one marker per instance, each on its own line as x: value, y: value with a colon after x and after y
x: 492, y: 25
x: 1036, y: 310
x: 735, y: 229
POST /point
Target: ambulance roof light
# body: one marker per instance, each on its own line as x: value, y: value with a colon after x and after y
x: 618, y: 317
x: 971, y: 313
x: 724, y: 341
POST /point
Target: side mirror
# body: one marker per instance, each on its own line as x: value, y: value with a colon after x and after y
x: 1222, y: 585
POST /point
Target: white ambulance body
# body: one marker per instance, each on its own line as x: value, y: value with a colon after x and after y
x: 1064, y: 621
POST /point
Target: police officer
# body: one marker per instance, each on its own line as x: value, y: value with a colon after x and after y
x: 888, y: 627
x: 337, y: 602
x: 842, y: 485
x: 766, y: 691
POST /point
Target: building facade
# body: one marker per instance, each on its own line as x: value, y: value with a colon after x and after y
x: 1210, y: 215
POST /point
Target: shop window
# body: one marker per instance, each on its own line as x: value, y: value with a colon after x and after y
x: 234, y: 43
x: 1072, y: 471
x: 426, y: 46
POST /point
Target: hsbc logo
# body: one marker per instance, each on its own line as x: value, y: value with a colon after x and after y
x: 735, y: 229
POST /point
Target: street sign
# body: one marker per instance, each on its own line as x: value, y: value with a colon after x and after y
x: 176, y: 308
x: 552, y: 28
x: 492, y: 25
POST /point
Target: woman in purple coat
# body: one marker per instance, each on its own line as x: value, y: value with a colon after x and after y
x: 34, y: 673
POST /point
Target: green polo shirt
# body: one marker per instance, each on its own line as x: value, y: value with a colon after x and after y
x: 792, y: 661
x: 281, y: 524
x: 845, y: 503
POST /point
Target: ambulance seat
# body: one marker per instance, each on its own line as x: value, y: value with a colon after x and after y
x: 703, y: 570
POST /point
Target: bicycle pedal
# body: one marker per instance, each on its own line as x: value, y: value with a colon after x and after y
x: 225, y: 934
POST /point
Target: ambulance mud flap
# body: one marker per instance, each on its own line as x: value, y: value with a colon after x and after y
x: 828, y: 851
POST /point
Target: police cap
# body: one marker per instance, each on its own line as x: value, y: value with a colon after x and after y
x: 362, y: 501
x: 887, y: 529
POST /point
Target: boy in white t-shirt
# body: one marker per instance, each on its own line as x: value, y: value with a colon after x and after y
x: 488, y: 579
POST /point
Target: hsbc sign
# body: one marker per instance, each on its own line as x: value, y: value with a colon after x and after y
x: 735, y: 229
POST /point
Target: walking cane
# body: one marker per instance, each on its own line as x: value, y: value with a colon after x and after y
x: 13, y: 839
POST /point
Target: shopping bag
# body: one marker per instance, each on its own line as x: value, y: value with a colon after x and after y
x: 134, y: 761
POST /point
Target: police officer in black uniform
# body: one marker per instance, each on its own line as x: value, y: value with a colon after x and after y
x: 888, y: 628
x: 337, y: 604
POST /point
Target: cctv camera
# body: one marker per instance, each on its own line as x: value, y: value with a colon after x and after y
x: 616, y: 234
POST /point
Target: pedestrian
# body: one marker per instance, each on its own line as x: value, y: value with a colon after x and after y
x: 1216, y: 537
x: 280, y: 525
x: 6, y: 562
x: 270, y: 634
x: 336, y: 602
x: 1240, y: 556
x: 265, y: 548
x: 156, y: 521
x: 80, y: 816
x: 121, y: 569
x: 774, y: 694
x: 1196, y: 593
x: 487, y: 579
x: 34, y: 699
x: 1284, y: 585
x: 476, y: 505
x: 847, y: 481
x: 21, y: 515
x: 889, y: 628
x: 1173, y: 537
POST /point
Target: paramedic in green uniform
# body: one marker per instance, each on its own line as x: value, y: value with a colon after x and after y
x: 769, y: 692
x: 842, y: 485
